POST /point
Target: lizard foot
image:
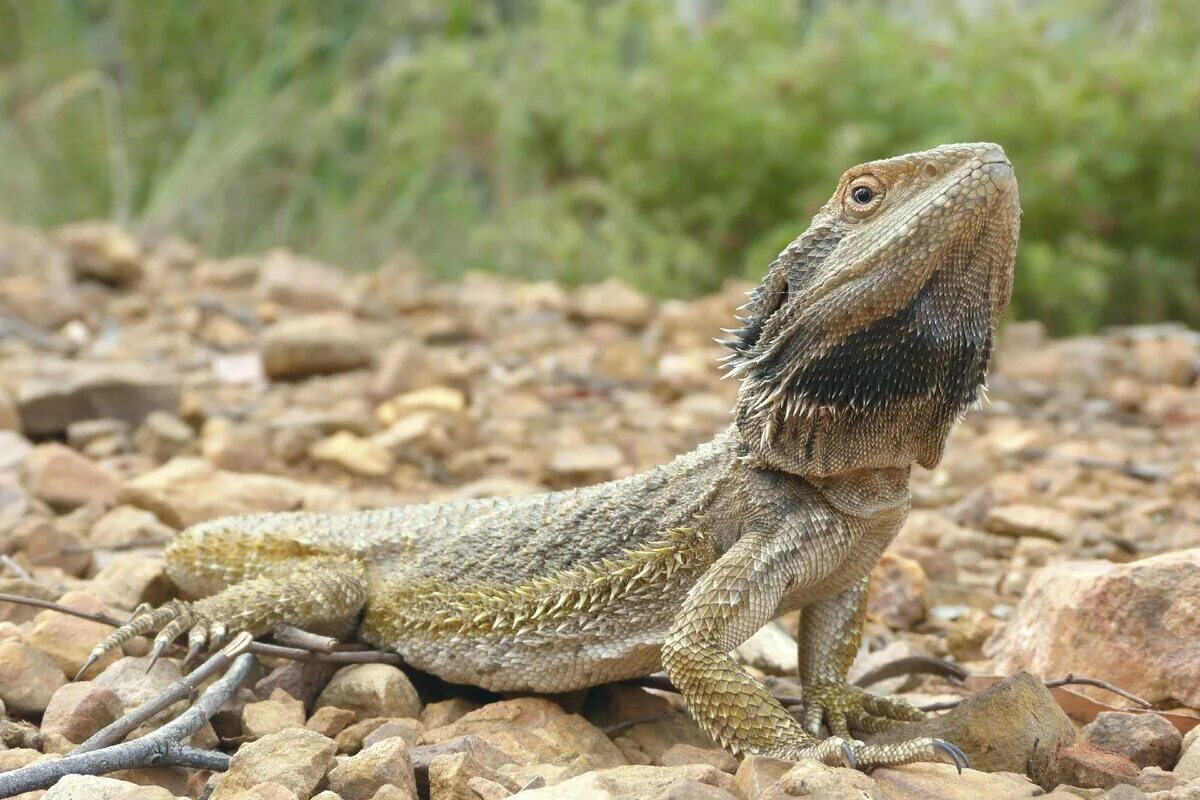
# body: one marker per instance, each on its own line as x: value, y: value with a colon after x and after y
x: 842, y: 706
x: 170, y: 620
x: 837, y: 751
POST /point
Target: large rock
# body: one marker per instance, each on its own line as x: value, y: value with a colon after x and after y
x: 361, y: 776
x: 292, y: 280
x: 942, y: 782
x: 318, y: 344
x: 1135, y: 625
x: 66, y: 479
x: 295, y: 758
x: 88, y: 787
x: 78, y: 710
x: 101, y: 250
x: 69, y: 640
x: 813, y: 779
x: 185, y: 491
x: 612, y: 301
x: 532, y: 730
x: 1013, y: 726
x: 28, y: 678
x: 372, y: 690
x: 54, y: 394
x: 630, y: 783
x: 1148, y: 739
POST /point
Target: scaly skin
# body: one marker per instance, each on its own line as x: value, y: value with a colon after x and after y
x: 867, y: 340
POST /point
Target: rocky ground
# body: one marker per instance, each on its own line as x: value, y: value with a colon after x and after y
x: 145, y: 387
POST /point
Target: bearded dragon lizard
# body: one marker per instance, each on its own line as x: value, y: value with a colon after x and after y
x: 867, y: 340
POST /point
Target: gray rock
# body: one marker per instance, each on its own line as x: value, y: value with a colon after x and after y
x: 1148, y: 739
x: 361, y: 775
x: 1013, y: 726
x: 295, y: 758
x: 372, y: 690
x: 56, y: 394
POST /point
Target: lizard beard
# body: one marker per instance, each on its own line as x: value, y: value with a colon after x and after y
x: 884, y: 394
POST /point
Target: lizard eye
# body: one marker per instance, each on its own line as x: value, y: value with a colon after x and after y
x: 862, y: 195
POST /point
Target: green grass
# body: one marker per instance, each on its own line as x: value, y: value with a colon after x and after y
x: 574, y: 140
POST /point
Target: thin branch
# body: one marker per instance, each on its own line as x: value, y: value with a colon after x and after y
x: 1076, y: 680
x: 15, y: 568
x: 103, y: 619
x: 913, y: 665
x: 158, y: 749
x: 184, y: 688
x: 348, y: 656
x: 345, y: 654
x: 291, y: 636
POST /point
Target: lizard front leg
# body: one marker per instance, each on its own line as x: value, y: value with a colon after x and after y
x: 830, y: 635
x: 735, y: 597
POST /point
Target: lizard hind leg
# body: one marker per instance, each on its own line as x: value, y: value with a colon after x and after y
x: 321, y: 592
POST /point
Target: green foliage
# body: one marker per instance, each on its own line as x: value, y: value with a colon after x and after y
x: 572, y: 140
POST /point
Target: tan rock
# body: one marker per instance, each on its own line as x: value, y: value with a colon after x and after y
x: 424, y: 756
x: 66, y: 479
x: 87, y: 787
x: 756, y: 774
x: 410, y: 730
x: 330, y: 720
x: 101, y: 250
x: 28, y: 678
x: 163, y: 436
x: 267, y: 791
x: 444, y: 712
x: 17, y: 613
x: 629, y: 783
x: 771, y: 649
x: 127, y: 526
x: 291, y: 280
x: 611, y: 301
x: 897, y: 595
x: 691, y: 789
x: 278, y: 713
x: 350, y: 739
x: 10, y: 417
x: 532, y: 729
x: 372, y: 690
x: 57, y: 393
x: 681, y: 754
x: 1088, y: 766
x: 812, y: 778
x: 134, y: 684
x: 455, y: 776
x: 316, y: 344
x: 356, y: 454
x: 431, y: 398
x: 1028, y: 520
x: 942, y: 781
x: 69, y: 640
x: 17, y: 758
x: 1134, y: 625
x: 52, y: 543
x: 78, y: 710
x: 586, y: 463
x: 132, y: 580
x: 185, y: 491
x: 362, y: 775
x: 295, y: 758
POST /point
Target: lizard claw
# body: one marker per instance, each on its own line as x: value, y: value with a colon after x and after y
x: 848, y: 755
x: 961, y: 759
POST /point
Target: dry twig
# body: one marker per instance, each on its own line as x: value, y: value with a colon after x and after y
x: 162, y: 748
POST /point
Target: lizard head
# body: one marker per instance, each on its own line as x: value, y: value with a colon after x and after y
x: 871, y: 333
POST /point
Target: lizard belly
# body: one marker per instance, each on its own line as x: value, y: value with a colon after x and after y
x: 552, y: 665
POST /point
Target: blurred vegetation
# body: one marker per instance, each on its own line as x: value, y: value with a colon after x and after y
x: 670, y: 143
